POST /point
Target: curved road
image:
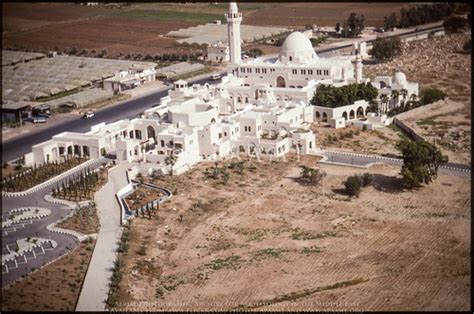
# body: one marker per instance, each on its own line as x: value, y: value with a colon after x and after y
x: 37, y: 228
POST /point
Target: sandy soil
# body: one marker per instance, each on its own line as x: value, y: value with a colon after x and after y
x: 436, y: 62
x: 352, y: 139
x: 54, y: 287
x: 265, y: 241
x: 445, y: 124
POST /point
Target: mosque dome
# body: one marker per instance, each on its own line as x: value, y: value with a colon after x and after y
x: 400, y: 78
x: 297, y: 48
x: 297, y: 42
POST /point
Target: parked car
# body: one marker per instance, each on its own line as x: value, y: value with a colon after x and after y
x: 215, y: 77
x: 39, y: 120
x: 44, y: 115
x: 88, y: 115
x: 379, y: 30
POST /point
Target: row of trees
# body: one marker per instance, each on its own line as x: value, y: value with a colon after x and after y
x: 352, y: 27
x: 182, y: 57
x: 38, y: 174
x: 427, y: 96
x: 333, y: 97
x: 78, y: 187
x: 386, y: 49
x: 421, y: 14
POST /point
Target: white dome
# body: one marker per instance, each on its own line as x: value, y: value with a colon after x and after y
x: 400, y: 78
x: 297, y: 48
x: 297, y: 42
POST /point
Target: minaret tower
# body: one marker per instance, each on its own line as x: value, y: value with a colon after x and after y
x: 234, y: 17
x: 358, y: 68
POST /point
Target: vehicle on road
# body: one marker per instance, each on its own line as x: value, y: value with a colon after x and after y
x: 215, y: 77
x: 39, y: 120
x: 88, y: 115
x: 379, y: 30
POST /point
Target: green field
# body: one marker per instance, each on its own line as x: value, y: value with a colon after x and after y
x: 163, y: 15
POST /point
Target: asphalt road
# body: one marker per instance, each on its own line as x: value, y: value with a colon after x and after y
x: 21, y: 145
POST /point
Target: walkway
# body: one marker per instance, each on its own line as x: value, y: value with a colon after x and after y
x: 364, y: 161
x: 96, y: 284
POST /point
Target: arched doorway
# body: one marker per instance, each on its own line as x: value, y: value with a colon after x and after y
x: 351, y: 114
x: 344, y: 115
x: 150, y: 131
x: 318, y: 116
x: 280, y: 82
x: 360, y: 112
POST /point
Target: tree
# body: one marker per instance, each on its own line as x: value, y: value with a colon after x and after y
x: 355, y: 24
x: 454, y: 24
x: 170, y: 161
x: 311, y: 176
x: 333, y: 97
x: 353, y: 185
x: 421, y: 160
x: 390, y: 22
x: 367, y: 179
x: 386, y: 49
x: 431, y: 95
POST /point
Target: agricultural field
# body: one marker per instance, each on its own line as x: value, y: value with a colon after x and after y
x: 140, y: 28
x: 262, y: 240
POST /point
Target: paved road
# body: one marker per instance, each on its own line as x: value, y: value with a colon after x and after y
x: 360, y: 160
x: 21, y: 145
x: 38, y: 228
x: 96, y: 284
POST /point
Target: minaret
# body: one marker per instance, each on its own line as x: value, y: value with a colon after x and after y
x: 358, y: 68
x: 233, y: 30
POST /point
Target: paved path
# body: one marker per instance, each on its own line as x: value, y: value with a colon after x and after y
x: 38, y: 227
x: 96, y: 284
x: 363, y: 161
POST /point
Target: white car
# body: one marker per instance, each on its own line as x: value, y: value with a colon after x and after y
x: 39, y: 120
x: 215, y: 77
x: 88, y: 114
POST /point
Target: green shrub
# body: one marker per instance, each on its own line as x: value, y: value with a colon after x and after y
x: 431, y: 95
x: 353, y: 185
x: 367, y: 179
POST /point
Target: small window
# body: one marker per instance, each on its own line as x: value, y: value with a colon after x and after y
x: 291, y: 58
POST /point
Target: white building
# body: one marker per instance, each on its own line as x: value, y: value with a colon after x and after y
x: 130, y: 78
x: 218, y: 53
x: 260, y: 108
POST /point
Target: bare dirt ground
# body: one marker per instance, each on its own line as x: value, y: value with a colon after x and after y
x: 54, y: 287
x: 352, y: 139
x: 266, y: 242
x: 436, y: 62
x: 445, y: 124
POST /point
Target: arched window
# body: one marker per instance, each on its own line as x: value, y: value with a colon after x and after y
x: 280, y: 82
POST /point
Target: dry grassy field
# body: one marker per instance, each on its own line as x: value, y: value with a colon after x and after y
x: 139, y: 28
x: 265, y: 241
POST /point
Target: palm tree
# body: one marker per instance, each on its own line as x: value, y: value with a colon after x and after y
x: 170, y: 160
x: 395, y: 95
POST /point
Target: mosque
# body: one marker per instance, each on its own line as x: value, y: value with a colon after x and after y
x: 260, y: 108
